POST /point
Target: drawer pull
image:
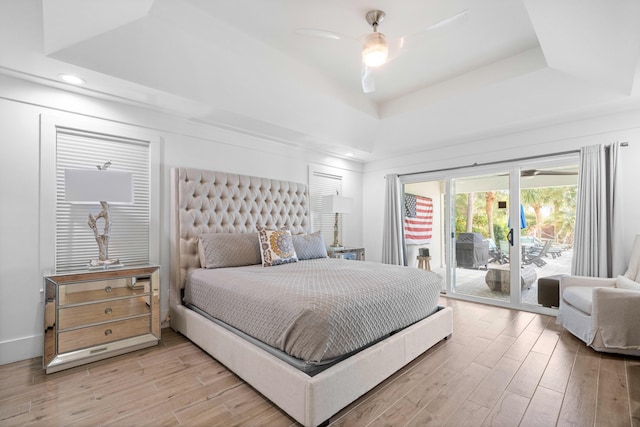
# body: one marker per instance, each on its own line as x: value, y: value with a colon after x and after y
x: 107, y: 289
x: 108, y: 332
x: 107, y: 310
x: 98, y: 350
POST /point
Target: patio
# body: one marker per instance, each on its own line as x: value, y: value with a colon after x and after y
x: 472, y: 282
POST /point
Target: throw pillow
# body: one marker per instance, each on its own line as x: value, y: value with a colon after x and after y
x: 309, y: 246
x: 218, y: 250
x: 276, y: 247
x: 626, y: 283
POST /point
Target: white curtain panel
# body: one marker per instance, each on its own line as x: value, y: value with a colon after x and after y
x: 393, y: 239
x: 598, y: 225
x: 617, y: 263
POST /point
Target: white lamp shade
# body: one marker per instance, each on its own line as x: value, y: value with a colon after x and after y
x: 337, y: 204
x: 375, y: 51
x: 86, y: 185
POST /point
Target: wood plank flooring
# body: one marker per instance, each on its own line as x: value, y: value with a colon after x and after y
x: 501, y: 367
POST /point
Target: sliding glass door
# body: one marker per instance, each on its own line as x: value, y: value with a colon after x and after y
x: 482, y: 238
x: 483, y: 232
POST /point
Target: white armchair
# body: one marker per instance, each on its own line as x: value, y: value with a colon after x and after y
x: 604, y: 313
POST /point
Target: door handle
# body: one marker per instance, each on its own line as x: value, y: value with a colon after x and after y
x: 510, y: 236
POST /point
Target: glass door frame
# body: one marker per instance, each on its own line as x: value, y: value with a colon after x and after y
x: 514, y: 168
x: 515, y: 249
x: 515, y: 254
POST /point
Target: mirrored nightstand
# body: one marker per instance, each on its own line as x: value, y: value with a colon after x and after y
x: 347, y: 252
x: 92, y: 315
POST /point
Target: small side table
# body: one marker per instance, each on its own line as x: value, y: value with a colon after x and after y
x: 499, y: 278
x: 351, y: 252
x: 424, y: 262
x: 549, y: 290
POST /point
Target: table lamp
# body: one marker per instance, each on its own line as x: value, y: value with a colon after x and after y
x: 104, y: 187
x: 336, y: 205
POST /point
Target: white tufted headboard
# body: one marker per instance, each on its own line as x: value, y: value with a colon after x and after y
x: 218, y: 202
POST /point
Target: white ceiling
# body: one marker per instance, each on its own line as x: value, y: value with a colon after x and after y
x: 506, y: 65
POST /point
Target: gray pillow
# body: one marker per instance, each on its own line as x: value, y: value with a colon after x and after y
x: 218, y: 250
x: 309, y: 246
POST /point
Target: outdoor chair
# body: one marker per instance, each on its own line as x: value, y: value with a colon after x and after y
x: 535, y: 255
x: 504, y: 252
x: 494, y: 252
x: 555, y: 251
x: 604, y: 313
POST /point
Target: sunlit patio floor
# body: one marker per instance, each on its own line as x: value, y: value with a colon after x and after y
x: 472, y: 282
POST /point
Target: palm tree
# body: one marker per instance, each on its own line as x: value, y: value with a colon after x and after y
x: 470, y: 208
x: 536, y: 198
x: 563, y: 216
x: 490, y: 198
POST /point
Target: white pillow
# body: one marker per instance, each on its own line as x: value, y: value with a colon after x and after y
x: 626, y: 283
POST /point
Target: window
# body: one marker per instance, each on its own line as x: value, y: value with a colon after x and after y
x: 73, y: 142
x: 75, y: 242
x: 323, y: 183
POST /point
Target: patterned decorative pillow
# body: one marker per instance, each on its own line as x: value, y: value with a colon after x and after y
x: 276, y: 247
x: 218, y: 250
x: 309, y: 246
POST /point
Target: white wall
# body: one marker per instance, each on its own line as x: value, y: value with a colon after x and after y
x: 624, y: 126
x: 181, y: 143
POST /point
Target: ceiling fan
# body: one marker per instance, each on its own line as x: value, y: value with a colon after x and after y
x: 530, y: 173
x: 540, y: 172
x: 375, y: 48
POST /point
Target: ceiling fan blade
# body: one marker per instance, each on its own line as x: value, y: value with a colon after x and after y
x: 440, y: 28
x: 368, y: 82
x: 450, y: 20
x: 322, y: 34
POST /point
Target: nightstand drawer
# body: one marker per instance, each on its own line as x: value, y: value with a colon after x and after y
x: 71, y: 317
x: 102, y: 334
x: 78, y: 293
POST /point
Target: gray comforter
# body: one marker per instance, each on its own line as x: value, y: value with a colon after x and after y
x: 316, y: 309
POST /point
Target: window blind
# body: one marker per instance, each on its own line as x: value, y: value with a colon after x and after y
x: 129, y: 241
x: 324, y: 184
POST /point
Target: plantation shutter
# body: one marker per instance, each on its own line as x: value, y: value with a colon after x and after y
x: 75, y: 242
x: 324, y: 184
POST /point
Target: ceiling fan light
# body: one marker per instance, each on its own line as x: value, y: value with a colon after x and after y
x: 375, y: 51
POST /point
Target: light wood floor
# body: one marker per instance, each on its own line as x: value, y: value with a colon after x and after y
x: 500, y: 368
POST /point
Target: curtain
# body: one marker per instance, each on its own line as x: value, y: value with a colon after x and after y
x: 597, y: 243
x: 616, y: 258
x: 392, y: 239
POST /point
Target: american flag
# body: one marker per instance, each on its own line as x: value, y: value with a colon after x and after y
x: 418, y: 219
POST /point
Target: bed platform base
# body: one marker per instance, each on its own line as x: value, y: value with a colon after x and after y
x: 313, y: 400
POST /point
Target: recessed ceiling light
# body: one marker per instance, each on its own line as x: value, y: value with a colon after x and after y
x: 71, y: 79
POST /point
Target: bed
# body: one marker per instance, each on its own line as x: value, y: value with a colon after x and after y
x: 311, y: 383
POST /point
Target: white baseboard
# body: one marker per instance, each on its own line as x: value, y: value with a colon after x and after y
x: 20, y: 349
